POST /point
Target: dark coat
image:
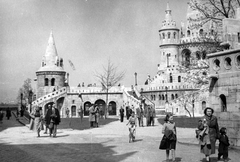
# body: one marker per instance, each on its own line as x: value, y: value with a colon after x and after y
x: 121, y: 111
x: 212, y: 122
x: 223, y: 144
x: 50, y: 116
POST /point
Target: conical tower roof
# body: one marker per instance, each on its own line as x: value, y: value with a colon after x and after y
x: 51, y: 61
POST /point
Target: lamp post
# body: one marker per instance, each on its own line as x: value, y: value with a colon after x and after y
x: 21, y: 110
x: 135, y: 78
x: 30, y: 99
x: 167, y: 97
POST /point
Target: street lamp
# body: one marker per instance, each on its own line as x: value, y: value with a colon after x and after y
x: 167, y: 97
x: 30, y: 99
x: 21, y: 110
x: 135, y: 78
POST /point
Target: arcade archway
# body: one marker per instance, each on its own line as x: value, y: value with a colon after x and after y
x: 86, y: 108
x: 112, y: 108
x: 101, y: 104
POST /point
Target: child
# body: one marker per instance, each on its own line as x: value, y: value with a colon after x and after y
x: 223, y: 144
x: 204, y: 139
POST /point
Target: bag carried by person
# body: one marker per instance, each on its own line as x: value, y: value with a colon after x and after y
x: 50, y: 126
x: 163, y: 143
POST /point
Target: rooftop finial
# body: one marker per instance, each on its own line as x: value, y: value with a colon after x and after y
x: 167, y: 9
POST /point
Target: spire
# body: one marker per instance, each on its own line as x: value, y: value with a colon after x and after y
x: 168, y: 11
x: 51, y: 48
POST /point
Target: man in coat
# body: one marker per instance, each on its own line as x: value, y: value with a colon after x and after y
x: 52, y: 119
x: 121, y: 112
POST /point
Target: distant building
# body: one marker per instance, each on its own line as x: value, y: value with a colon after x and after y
x: 178, y: 47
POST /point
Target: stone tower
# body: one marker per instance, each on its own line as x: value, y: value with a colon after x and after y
x: 51, y: 75
x: 169, y: 40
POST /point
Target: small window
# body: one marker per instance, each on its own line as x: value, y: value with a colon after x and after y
x: 159, y: 97
x: 188, y: 33
x: 238, y: 61
x: 228, y: 63
x: 172, y: 96
x: 174, y: 35
x: 179, y: 79
x: 171, y: 78
x: 201, y: 32
x: 169, y: 34
x: 163, y: 97
x: 52, y: 81
x: 216, y: 64
x: 176, y: 95
x: 73, y: 101
x: 238, y: 37
x: 223, y: 103
x: 203, y: 105
x: 163, y: 35
x: 46, y: 82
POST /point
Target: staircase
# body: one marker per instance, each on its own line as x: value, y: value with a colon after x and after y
x: 142, y: 97
x: 51, y: 97
x: 129, y: 97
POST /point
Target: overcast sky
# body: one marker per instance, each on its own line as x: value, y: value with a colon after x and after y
x: 87, y: 32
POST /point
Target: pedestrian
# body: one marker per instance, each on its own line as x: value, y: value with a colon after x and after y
x: 121, y: 113
x: 37, y: 116
x: 91, y: 115
x: 212, y: 123
x: 97, y: 115
x: 101, y: 111
x: 67, y: 113
x: 1, y: 115
x: 147, y: 114
x: 80, y: 112
x: 132, y: 127
x: 169, y: 131
x: 139, y: 112
x: 204, y: 138
x: 127, y: 112
x: 152, y: 116
x: 52, y: 119
x: 44, y: 121
x: 223, y: 144
x: 8, y: 113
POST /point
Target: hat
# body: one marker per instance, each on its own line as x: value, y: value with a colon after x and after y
x: 205, y: 111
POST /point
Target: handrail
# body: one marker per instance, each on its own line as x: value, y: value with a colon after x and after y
x: 138, y: 93
x: 50, y: 96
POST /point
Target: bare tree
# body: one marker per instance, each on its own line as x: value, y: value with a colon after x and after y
x: 109, y: 78
x: 213, y: 10
x: 25, y: 90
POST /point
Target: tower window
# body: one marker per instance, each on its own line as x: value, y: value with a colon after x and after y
x: 188, y: 33
x: 171, y: 78
x: 179, y: 79
x: 201, y: 32
x: 46, y: 82
x: 174, y: 35
x: 169, y: 34
x: 52, y: 81
x: 163, y: 35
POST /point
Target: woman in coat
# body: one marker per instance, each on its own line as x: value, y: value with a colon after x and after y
x: 97, y: 115
x: 212, y: 123
x: 37, y: 116
x: 169, y: 130
x: 91, y: 115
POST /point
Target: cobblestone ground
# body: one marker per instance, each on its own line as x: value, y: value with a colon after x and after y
x: 108, y: 143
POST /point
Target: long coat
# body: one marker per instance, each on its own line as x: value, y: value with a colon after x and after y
x: 212, y: 123
x: 91, y: 114
x: 48, y: 117
x: 223, y: 144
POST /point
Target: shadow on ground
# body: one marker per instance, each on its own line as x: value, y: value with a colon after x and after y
x: 87, y: 152
x: 78, y: 124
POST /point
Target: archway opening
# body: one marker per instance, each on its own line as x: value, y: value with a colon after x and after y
x: 186, y: 54
x: 73, y: 110
x: 86, y: 106
x: 112, y: 108
x: 203, y: 105
x: 101, y: 104
x: 223, y: 103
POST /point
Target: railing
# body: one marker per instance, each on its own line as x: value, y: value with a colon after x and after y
x: 131, y: 100
x: 50, y: 96
x: 141, y: 95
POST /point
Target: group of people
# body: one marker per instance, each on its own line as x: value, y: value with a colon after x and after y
x: 8, y: 114
x: 208, y: 133
x: 141, y: 112
x: 51, y: 120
